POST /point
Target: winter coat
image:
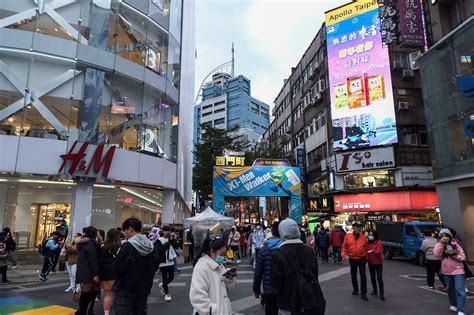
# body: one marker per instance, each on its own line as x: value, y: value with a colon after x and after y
x: 243, y: 240
x: 208, y: 293
x: 450, y: 266
x: 72, y: 252
x: 354, y: 248
x: 282, y: 273
x: 135, y: 266
x: 262, y: 268
x: 106, y: 265
x: 376, y: 256
x: 234, y: 239
x: 87, y: 262
x: 336, y: 238
x: 3, y: 254
x: 162, y: 247
x: 428, y: 246
x: 322, y: 239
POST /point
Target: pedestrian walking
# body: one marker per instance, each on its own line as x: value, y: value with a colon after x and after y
x: 322, y: 241
x: 243, y: 243
x: 336, y: 238
x: 11, y: 246
x: 375, y: 261
x: 3, y: 257
x: 452, y: 267
x: 433, y: 263
x: 57, y: 251
x: 88, y: 270
x: 49, y: 249
x: 190, y: 239
x: 135, y: 266
x: 355, y: 246
x: 258, y: 239
x: 107, y: 276
x: 71, y: 263
x: 262, y: 272
x: 294, y: 273
x: 211, y: 281
x: 234, y: 242
x: 166, y: 247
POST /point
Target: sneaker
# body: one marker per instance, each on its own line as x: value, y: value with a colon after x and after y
x: 6, y: 282
x: 373, y: 293
x: 382, y: 297
x: 461, y: 313
x: 238, y: 261
x: 167, y: 298
x: 355, y: 292
x: 42, y: 278
x: 453, y: 309
x: 364, y: 297
x: 68, y: 289
x: 14, y: 266
x: 161, y: 288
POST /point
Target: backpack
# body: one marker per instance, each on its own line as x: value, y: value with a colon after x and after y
x: 42, y: 249
x: 307, y: 296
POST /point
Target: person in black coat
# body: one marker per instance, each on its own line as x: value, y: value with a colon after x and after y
x: 135, y: 266
x: 322, y: 241
x: 88, y: 270
x: 291, y: 264
x: 107, y: 273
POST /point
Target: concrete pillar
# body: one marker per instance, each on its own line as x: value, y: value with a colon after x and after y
x: 168, y: 206
x: 8, y: 204
x: 81, y: 207
x: 3, y: 201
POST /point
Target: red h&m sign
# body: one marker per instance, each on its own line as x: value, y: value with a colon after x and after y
x: 80, y: 164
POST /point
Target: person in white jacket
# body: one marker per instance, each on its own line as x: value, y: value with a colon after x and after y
x: 211, y: 280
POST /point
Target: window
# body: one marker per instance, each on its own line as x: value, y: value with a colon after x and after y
x: 369, y: 179
x: 409, y: 136
x: 219, y: 110
x: 423, y: 137
x: 400, y: 60
x: 206, y: 114
x: 410, y: 231
x: 219, y: 121
x: 207, y: 107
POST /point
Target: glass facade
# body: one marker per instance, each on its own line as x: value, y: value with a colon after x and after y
x: 449, y: 111
x: 100, y: 71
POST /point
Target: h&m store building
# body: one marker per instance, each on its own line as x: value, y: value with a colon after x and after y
x: 93, y: 128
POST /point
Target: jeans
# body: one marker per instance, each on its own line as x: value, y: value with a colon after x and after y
x: 71, y: 270
x: 358, y: 264
x: 11, y: 259
x: 456, y: 291
x: 336, y: 253
x: 125, y: 305
x: 271, y: 304
x: 433, y: 267
x: 376, y: 269
x: 3, y: 272
x: 324, y: 254
x: 47, y: 265
x: 235, y: 249
x: 167, y: 276
x: 243, y: 250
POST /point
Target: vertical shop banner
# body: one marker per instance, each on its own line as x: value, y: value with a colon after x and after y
x: 362, y: 106
x: 301, y: 162
x: 388, y: 22
x: 261, y: 181
x: 412, y: 30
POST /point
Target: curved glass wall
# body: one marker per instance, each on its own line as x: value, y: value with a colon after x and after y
x: 93, y: 70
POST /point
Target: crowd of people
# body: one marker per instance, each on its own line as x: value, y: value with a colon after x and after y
x: 122, y: 264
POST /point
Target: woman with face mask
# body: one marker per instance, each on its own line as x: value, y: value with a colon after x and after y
x: 211, y: 280
x: 375, y: 260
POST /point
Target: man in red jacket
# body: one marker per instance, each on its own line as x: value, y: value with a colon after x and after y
x: 336, y: 238
x: 355, y: 246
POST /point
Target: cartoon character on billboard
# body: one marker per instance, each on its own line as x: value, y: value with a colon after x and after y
x: 277, y: 177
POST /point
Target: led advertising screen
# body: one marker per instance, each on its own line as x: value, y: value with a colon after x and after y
x: 362, y: 107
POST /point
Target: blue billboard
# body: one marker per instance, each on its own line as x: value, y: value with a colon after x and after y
x: 258, y: 181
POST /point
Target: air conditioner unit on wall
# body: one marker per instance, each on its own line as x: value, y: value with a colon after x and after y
x: 413, y: 57
x: 403, y: 105
x: 317, y: 98
x: 408, y: 74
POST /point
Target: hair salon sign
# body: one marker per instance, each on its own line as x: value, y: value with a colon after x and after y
x: 88, y: 160
x: 365, y: 160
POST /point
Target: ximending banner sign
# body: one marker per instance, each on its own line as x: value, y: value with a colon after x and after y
x: 362, y: 106
x: 259, y: 181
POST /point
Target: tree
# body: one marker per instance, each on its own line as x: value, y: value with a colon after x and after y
x: 272, y: 152
x: 213, y: 143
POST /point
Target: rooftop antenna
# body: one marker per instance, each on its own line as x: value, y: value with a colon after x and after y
x: 233, y: 60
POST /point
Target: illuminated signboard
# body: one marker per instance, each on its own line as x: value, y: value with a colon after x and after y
x: 362, y: 105
x: 230, y: 161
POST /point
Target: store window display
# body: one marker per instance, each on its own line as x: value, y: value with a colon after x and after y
x: 369, y: 179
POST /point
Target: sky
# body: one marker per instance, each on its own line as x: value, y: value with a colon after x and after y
x: 270, y: 37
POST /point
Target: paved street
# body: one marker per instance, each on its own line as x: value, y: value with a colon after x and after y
x: 403, y: 282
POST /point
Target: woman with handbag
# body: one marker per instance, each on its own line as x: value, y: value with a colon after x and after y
x: 453, y: 269
x: 71, y: 262
x: 166, y: 247
x: 211, y: 280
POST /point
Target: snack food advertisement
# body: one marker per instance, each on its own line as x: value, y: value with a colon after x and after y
x: 360, y: 83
